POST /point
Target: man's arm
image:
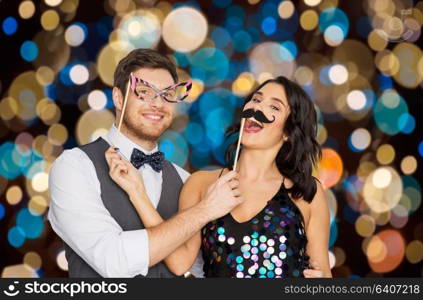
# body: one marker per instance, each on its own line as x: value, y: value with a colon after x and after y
x: 184, y: 257
x: 78, y: 216
x: 165, y: 237
x: 197, y: 267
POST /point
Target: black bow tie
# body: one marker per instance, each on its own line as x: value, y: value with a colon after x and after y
x: 155, y: 160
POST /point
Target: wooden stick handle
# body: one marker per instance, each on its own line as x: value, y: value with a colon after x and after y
x: 125, y: 100
x: 241, y: 130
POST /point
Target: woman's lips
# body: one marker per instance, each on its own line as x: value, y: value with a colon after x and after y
x: 251, y: 126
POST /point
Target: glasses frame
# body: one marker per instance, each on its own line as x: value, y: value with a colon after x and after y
x: 134, y: 80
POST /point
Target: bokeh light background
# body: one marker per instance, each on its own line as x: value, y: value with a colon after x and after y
x: 360, y: 61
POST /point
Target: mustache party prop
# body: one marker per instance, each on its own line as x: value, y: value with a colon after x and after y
x: 257, y: 114
x: 248, y: 113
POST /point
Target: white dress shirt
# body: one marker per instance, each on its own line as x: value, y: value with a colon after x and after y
x: 77, y: 213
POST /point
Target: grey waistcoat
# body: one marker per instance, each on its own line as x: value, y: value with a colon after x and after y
x: 120, y: 207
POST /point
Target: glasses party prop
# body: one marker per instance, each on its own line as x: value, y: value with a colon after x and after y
x: 148, y: 92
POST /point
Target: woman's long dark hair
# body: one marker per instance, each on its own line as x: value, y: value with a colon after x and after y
x: 298, y: 155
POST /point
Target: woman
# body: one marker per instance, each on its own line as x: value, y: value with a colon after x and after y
x: 283, y: 223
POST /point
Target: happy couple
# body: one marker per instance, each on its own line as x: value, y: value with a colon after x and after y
x: 123, y: 210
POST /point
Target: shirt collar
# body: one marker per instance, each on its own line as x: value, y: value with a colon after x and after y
x: 125, y: 145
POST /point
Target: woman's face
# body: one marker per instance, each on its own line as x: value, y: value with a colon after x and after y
x: 271, y: 100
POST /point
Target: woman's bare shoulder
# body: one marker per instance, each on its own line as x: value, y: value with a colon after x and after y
x: 205, y: 177
x: 197, y: 184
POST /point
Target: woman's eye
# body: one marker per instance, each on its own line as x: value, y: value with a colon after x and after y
x: 274, y: 107
x: 256, y: 100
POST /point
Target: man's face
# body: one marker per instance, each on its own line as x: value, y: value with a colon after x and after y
x: 147, y: 119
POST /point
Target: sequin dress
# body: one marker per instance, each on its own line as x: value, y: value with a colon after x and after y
x: 270, y: 245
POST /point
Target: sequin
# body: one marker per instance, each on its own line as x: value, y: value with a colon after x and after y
x: 270, y: 242
x: 254, y: 257
x: 282, y: 247
x: 254, y: 250
x: 245, y: 247
x: 240, y: 267
x: 282, y: 239
x: 239, y: 275
x: 221, y: 238
x: 278, y: 263
x: 254, y: 242
x: 246, y: 239
x: 254, y: 235
x: 263, y: 239
x: 270, y: 250
x: 282, y: 255
x: 262, y: 247
x: 278, y: 271
x: 220, y: 230
x: 231, y: 241
x: 239, y: 259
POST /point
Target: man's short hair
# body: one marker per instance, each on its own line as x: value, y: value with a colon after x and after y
x: 141, y: 58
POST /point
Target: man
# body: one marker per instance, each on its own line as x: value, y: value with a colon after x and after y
x: 102, y: 232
